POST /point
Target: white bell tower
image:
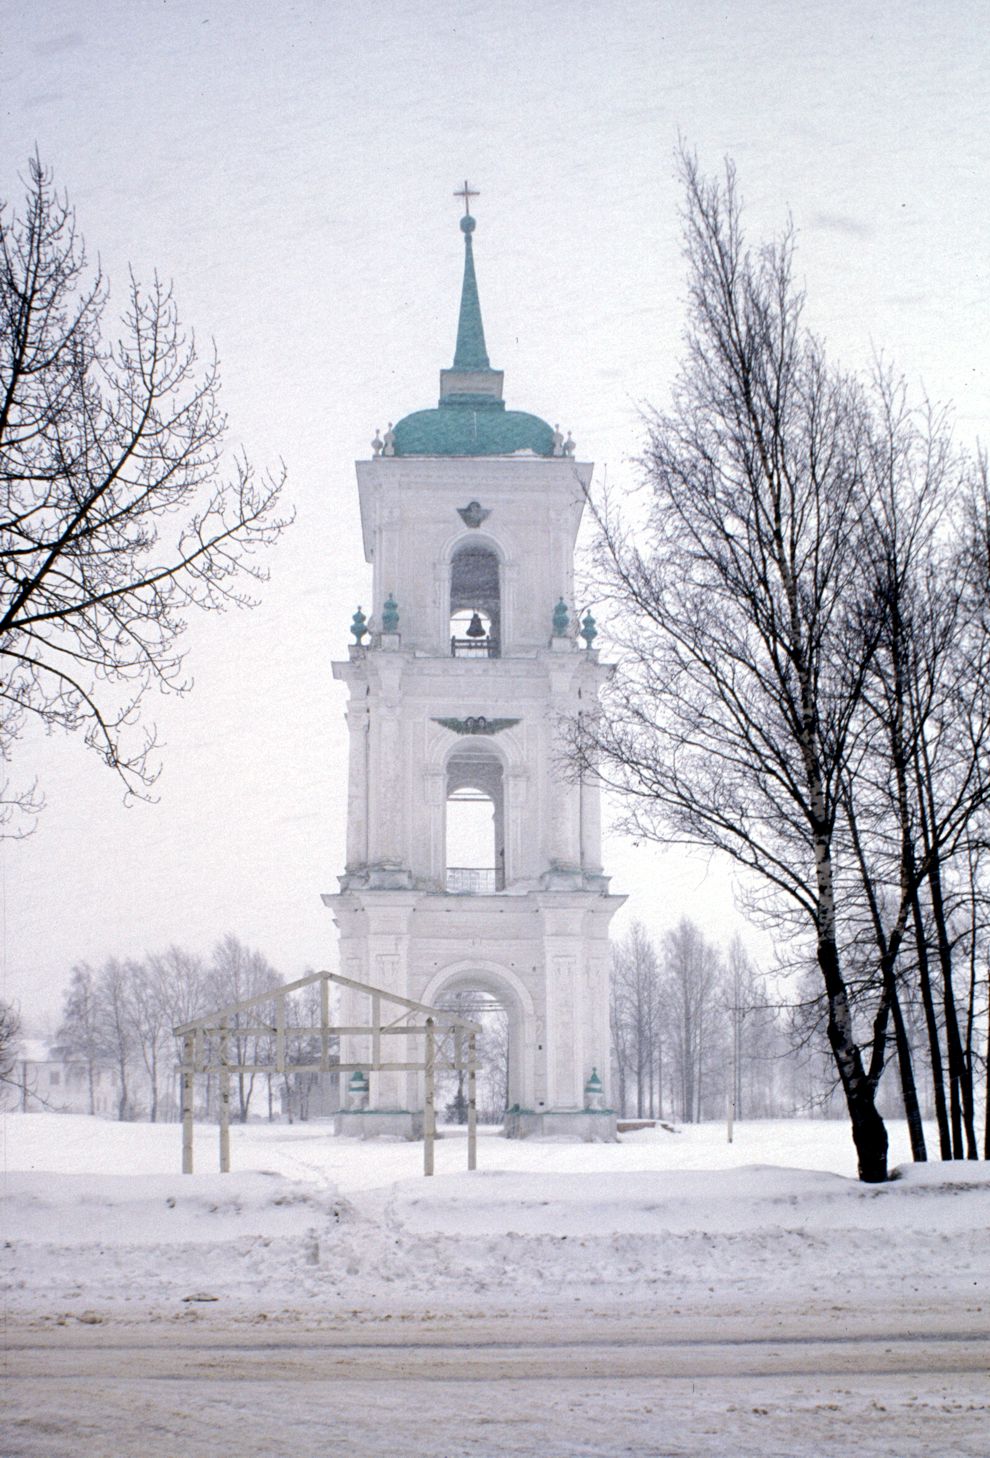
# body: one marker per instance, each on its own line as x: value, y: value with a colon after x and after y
x: 457, y: 686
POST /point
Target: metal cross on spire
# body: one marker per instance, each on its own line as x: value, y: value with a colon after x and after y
x: 466, y: 193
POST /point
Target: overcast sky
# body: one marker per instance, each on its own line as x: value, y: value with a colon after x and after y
x: 291, y: 168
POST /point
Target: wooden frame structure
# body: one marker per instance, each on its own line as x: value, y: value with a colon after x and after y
x: 450, y: 1044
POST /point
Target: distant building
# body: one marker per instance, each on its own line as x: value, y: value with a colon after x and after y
x: 50, y: 1081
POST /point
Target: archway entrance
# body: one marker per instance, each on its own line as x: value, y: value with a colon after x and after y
x: 490, y: 998
x: 492, y: 1082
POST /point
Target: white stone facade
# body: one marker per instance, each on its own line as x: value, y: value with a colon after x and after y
x: 535, y: 933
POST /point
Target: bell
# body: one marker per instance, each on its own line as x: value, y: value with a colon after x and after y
x: 476, y: 628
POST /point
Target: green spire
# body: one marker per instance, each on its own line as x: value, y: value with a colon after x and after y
x: 470, y: 353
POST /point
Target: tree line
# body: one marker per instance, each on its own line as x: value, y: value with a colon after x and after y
x: 800, y: 600
x: 697, y: 1032
x: 123, y: 1013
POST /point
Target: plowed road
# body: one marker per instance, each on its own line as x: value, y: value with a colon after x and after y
x: 548, y: 1388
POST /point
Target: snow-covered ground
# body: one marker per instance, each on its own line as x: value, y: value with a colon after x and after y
x: 669, y: 1294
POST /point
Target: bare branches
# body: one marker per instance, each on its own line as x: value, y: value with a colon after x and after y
x: 115, y: 519
x: 10, y: 1035
x: 804, y: 678
x: 745, y: 627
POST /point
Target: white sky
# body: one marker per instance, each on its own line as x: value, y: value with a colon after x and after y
x: 291, y: 167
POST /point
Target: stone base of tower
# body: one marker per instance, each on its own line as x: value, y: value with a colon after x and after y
x: 590, y: 1126
x: 541, y: 955
x: 379, y: 1124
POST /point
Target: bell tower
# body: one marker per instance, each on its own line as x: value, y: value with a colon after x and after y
x: 473, y: 853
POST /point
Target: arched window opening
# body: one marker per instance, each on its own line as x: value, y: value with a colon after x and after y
x: 475, y: 840
x: 475, y: 603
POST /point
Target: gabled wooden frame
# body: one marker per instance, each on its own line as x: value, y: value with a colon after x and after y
x: 451, y: 1044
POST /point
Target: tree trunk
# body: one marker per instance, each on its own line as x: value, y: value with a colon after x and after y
x: 986, y: 1096
x: 960, y: 1078
x: 868, y: 1129
x: 931, y: 1023
x: 909, y: 1090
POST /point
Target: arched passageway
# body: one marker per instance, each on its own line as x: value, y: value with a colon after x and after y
x: 496, y: 999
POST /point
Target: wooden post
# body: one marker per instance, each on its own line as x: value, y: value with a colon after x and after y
x: 472, y: 1105
x: 429, y: 1114
x: 374, y: 1084
x: 188, y: 1076
x: 376, y: 1031
x: 280, y: 1033
x: 730, y: 1103
x: 224, y: 1099
x: 324, y: 1025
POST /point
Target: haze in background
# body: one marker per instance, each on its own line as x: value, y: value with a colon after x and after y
x: 291, y: 168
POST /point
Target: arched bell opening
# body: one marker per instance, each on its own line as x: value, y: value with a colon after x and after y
x: 475, y: 602
x: 475, y: 823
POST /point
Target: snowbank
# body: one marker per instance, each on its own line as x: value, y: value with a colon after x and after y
x: 315, y: 1226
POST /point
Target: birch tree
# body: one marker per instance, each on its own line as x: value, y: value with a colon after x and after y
x: 637, y: 1027
x: 744, y: 632
x: 237, y: 973
x: 693, y: 1001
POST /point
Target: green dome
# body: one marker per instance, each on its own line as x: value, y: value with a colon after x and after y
x: 471, y: 418
x: 472, y: 430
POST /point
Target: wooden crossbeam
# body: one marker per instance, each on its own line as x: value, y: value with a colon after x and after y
x: 206, y: 1049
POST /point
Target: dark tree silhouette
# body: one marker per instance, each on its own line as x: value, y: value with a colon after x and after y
x: 118, y: 513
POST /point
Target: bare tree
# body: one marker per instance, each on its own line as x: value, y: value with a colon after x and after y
x: 637, y: 1025
x: 237, y: 973
x: 115, y: 519
x: 10, y: 1037
x: 81, y: 1033
x: 149, y: 1007
x: 113, y: 1012
x: 693, y: 1001
x: 918, y: 791
x: 744, y: 630
x: 758, y: 1049
x: 180, y: 982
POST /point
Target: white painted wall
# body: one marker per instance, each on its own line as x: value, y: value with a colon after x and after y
x: 541, y: 945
